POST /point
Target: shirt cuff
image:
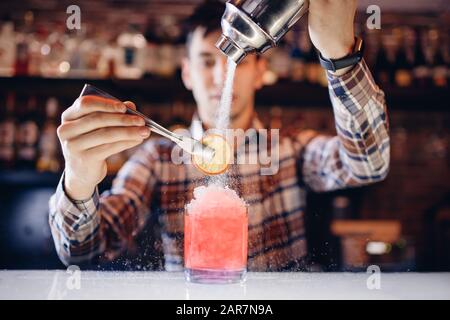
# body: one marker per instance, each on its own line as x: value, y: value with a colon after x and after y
x: 354, y: 89
x: 89, y: 206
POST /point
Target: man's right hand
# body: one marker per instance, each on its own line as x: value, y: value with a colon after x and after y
x: 91, y: 130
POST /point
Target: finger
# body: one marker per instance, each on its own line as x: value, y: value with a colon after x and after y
x: 106, y: 150
x: 130, y: 104
x: 88, y: 104
x: 98, y: 120
x: 108, y: 135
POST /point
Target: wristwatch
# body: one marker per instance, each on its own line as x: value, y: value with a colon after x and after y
x: 347, y: 61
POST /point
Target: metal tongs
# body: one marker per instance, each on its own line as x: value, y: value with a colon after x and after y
x: 188, y: 144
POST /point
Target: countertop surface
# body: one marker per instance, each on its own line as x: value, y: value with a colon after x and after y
x: 59, y: 284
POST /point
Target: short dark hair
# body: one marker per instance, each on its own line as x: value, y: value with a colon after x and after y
x: 207, y: 15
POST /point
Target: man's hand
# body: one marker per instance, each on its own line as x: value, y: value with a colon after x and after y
x: 93, y: 129
x: 331, y: 26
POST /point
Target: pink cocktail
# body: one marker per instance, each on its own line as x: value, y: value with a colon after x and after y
x: 215, y: 236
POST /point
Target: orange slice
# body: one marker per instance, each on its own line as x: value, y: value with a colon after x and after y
x: 222, y: 156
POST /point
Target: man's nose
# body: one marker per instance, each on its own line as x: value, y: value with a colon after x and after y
x: 220, y: 70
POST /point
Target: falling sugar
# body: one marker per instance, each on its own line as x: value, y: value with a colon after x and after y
x: 223, y: 114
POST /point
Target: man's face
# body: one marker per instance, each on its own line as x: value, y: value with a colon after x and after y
x: 204, y: 72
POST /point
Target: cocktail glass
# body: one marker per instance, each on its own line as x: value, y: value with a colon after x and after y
x: 216, y: 242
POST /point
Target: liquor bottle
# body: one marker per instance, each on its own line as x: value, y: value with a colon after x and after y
x: 167, y: 56
x: 439, y: 69
x: 24, y: 38
x: 38, y: 49
x: 57, y: 64
x: 421, y: 71
x: 75, y: 48
x: 403, y: 72
x: 110, y: 58
x: 178, y: 119
x: 151, y: 51
x: 313, y: 67
x: 28, y: 136
x: 7, y: 49
x: 132, y: 45
x: 298, y: 58
x: 383, y: 67
x: 21, y: 63
x: 48, y: 143
x: 7, y: 133
x: 280, y: 60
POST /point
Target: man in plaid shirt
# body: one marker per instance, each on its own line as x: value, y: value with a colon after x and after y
x: 88, y: 227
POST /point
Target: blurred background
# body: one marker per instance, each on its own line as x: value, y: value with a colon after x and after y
x: 132, y: 49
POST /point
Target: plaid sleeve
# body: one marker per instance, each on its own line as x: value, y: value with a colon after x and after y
x: 101, y: 227
x: 359, y: 154
x: 72, y: 223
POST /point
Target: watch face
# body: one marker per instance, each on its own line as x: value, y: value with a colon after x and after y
x: 359, y: 45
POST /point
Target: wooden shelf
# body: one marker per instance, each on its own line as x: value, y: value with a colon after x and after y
x: 160, y: 90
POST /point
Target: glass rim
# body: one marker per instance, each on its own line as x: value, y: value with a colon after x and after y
x: 186, y: 211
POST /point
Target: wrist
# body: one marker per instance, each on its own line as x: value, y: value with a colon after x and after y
x: 338, y: 51
x: 77, y: 190
x: 345, y: 63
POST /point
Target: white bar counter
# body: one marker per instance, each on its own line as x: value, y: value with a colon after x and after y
x: 58, y: 284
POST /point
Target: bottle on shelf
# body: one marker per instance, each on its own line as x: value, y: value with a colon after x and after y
x: 403, y: 72
x: 7, y: 49
x: 421, y: 70
x: 74, y: 64
x: 151, y: 52
x: 28, y: 135
x: 54, y: 62
x: 177, y: 118
x: 38, y: 49
x: 313, y: 68
x: 383, y: 67
x: 49, y: 149
x: 279, y: 61
x: 298, y: 58
x: 110, y: 58
x: 167, y: 56
x: 439, y: 70
x: 132, y: 45
x: 24, y: 41
x: 7, y: 133
x: 22, y: 60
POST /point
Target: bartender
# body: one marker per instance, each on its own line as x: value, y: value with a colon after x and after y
x: 92, y: 228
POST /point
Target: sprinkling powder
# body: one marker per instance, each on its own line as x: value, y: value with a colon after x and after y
x: 223, y: 115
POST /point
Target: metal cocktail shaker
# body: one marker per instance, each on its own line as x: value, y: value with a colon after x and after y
x: 257, y: 25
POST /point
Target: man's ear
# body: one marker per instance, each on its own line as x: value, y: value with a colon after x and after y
x: 261, y: 68
x: 186, y: 73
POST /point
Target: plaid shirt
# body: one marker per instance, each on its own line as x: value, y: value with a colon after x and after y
x: 150, y: 184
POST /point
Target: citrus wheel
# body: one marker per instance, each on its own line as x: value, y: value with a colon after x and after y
x: 222, y: 155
